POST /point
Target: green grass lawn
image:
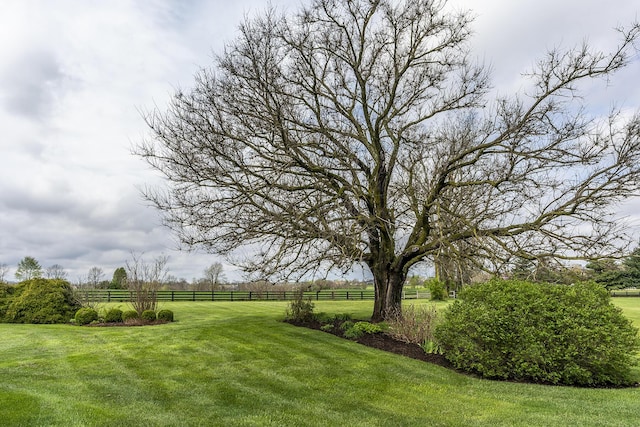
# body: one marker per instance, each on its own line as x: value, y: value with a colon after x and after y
x: 237, y: 364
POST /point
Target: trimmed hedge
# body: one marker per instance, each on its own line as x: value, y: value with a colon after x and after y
x: 557, y: 334
x: 86, y: 315
x: 130, y: 315
x: 113, y: 315
x: 148, y: 315
x: 165, y: 315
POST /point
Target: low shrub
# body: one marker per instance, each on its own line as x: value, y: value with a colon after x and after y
x: 348, y: 324
x: 40, y: 301
x: 86, y: 315
x: 437, y: 290
x: 165, y: 315
x: 130, y: 316
x: 358, y: 329
x: 416, y: 325
x: 113, y: 315
x: 300, y: 309
x: 148, y: 316
x: 556, y: 334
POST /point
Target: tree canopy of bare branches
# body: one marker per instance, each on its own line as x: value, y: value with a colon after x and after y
x: 360, y: 131
x: 144, y: 278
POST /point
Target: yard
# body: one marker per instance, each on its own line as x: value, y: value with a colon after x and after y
x: 236, y: 363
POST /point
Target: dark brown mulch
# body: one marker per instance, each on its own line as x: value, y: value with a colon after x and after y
x: 387, y: 343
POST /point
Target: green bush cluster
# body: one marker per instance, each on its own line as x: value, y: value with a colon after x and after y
x: 556, y: 334
x: 86, y: 315
x: 113, y: 315
x: 129, y: 316
x: 165, y: 315
x: 38, y: 301
x: 148, y: 316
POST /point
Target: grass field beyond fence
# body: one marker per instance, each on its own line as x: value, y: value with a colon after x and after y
x: 237, y: 364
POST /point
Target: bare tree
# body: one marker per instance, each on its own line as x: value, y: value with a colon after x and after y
x: 361, y: 132
x: 56, y: 271
x: 213, y: 276
x: 94, y: 277
x: 4, y: 270
x: 144, y: 279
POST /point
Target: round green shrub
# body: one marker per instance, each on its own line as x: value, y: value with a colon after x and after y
x: 557, y: 334
x: 113, y: 315
x: 40, y: 301
x: 129, y: 316
x: 148, y: 315
x: 86, y: 315
x: 165, y: 315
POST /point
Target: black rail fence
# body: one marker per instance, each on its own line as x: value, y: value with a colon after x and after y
x: 626, y: 293
x: 117, y: 295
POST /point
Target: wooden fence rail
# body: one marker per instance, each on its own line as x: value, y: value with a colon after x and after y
x: 117, y: 295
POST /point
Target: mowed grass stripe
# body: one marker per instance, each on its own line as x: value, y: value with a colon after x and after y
x: 238, y: 364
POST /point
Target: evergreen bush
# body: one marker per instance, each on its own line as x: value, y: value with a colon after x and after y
x: 165, y: 315
x: 86, y: 315
x: 113, y: 315
x: 148, y: 316
x: 40, y: 301
x: 557, y: 334
x: 130, y: 316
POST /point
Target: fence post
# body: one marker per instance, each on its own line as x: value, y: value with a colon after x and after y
x: 250, y: 295
x: 347, y: 295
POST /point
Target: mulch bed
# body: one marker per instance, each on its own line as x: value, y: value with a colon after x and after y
x: 386, y: 343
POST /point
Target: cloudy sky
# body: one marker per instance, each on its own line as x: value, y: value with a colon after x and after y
x: 75, y: 74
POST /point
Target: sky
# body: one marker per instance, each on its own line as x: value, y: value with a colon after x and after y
x: 77, y: 75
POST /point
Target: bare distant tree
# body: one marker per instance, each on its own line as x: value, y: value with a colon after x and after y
x: 94, y: 277
x: 213, y: 276
x: 4, y: 270
x: 145, y: 278
x: 360, y: 132
x: 56, y: 271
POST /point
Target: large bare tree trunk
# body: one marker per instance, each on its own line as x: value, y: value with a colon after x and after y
x: 388, y: 298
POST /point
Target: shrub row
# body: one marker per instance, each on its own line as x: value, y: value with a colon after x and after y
x: 86, y: 315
